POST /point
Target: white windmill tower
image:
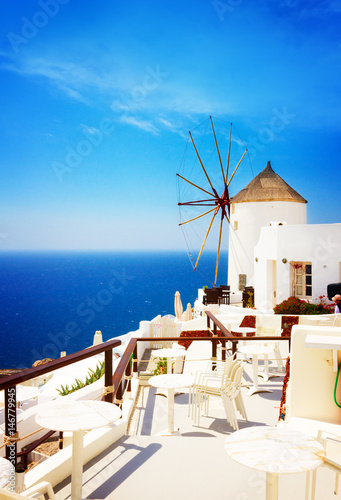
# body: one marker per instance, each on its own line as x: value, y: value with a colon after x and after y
x: 266, y: 200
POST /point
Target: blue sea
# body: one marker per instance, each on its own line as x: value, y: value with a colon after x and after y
x: 55, y: 301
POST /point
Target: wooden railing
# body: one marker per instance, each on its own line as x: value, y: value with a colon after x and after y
x: 218, y: 325
x: 8, y: 384
x: 116, y: 384
x: 25, y: 453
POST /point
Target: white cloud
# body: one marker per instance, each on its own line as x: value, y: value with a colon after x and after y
x: 166, y: 123
x: 124, y: 89
x: 73, y: 79
x: 139, y: 123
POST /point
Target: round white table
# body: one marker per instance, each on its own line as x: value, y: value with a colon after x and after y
x: 274, y: 451
x: 171, y: 382
x: 169, y: 354
x: 7, y: 473
x: 255, y: 349
x: 77, y: 417
x: 244, y: 330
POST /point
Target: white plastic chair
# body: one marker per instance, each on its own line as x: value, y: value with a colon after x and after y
x: 332, y: 460
x: 201, y: 377
x: 265, y: 329
x: 197, y: 357
x: 210, y: 383
x: 232, y: 397
x: 37, y: 491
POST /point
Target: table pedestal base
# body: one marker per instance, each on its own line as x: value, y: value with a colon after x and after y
x: 255, y: 388
x: 265, y: 374
x: 160, y: 392
x: 271, y: 486
x: 170, y: 434
x: 77, y: 465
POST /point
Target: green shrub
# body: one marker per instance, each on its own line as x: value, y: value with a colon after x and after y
x: 161, y: 366
x: 92, y: 376
x: 294, y: 305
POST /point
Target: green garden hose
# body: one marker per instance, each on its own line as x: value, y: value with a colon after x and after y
x: 336, y: 381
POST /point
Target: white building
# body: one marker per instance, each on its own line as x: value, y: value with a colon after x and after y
x: 272, y: 248
x: 298, y: 260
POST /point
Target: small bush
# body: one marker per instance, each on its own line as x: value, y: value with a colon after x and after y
x: 92, y: 376
x: 294, y: 305
x: 161, y: 366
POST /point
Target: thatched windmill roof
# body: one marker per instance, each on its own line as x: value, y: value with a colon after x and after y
x: 267, y: 186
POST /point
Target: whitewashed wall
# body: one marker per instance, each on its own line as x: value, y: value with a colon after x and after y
x: 251, y: 217
x: 316, y: 243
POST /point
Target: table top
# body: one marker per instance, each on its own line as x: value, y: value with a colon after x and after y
x: 169, y: 353
x: 77, y: 415
x: 171, y: 381
x: 6, y: 471
x: 242, y: 329
x: 255, y: 348
x: 272, y: 449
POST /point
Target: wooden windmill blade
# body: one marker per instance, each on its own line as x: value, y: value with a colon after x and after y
x: 202, y: 209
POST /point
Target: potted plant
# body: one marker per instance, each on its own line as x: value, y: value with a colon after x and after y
x: 161, y: 366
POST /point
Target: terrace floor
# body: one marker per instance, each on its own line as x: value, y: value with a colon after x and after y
x: 194, y: 464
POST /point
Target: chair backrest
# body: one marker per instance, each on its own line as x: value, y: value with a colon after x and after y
x: 268, y: 325
x: 332, y: 446
x: 234, y: 368
x: 198, y: 357
x: 231, y: 370
x: 227, y: 367
x: 4, y: 494
x: 39, y: 490
x: 233, y: 383
x: 236, y: 385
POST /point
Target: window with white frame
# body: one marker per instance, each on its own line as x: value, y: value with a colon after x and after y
x: 302, y: 279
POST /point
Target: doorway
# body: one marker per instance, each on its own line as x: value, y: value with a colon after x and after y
x: 271, y: 283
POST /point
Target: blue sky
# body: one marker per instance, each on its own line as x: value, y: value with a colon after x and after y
x: 98, y: 98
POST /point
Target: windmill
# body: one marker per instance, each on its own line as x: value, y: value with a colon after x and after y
x: 203, y: 187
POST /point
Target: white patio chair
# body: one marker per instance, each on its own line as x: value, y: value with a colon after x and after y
x: 197, y: 357
x: 208, y: 384
x: 37, y: 491
x: 332, y: 446
x: 232, y: 397
x: 212, y: 373
x: 266, y: 328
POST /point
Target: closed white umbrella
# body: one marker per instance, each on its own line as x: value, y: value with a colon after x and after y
x: 188, y: 313
x: 178, y: 306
